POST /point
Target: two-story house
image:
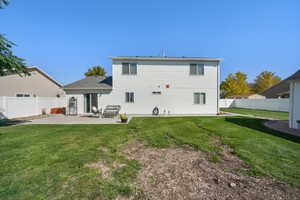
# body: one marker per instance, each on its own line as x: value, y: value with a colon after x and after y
x: 175, y: 85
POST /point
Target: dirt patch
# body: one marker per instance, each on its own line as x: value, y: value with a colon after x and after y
x: 105, y: 169
x: 182, y: 173
x: 124, y: 198
x: 103, y: 148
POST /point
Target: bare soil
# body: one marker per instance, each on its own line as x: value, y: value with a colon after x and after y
x: 182, y: 173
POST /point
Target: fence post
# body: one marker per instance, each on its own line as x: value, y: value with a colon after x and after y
x: 4, y: 106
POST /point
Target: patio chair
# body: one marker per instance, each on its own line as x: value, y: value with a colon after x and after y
x: 111, y: 111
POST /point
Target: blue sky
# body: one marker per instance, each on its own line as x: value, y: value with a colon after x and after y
x: 66, y: 37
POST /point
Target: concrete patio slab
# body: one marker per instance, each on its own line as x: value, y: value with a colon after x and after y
x: 63, y: 119
x: 90, y: 119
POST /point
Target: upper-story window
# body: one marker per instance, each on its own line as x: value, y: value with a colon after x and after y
x: 129, y: 68
x: 196, y: 69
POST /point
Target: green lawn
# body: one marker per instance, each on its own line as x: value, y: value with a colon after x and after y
x: 48, y: 161
x: 260, y: 113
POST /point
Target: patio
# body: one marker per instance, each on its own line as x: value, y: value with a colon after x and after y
x: 65, y: 119
x: 88, y: 119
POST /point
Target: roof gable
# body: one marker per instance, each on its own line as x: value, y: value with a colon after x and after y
x: 295, y: 76
x: 91, y: 82
x: 45, y: 75
x: 37, y: 69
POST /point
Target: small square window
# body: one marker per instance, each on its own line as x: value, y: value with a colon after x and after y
x: 193, y: 69
x: 196, y: 69
x: 129, y: 97
x: 200, y: 69
x: 156, y: 92
x: 129, y: 68
x: 199, y: 98
x: 133, y: 68
x: 125, y: 68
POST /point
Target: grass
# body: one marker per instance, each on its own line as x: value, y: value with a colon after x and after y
x: 48, y: 161
x: 259, y: 113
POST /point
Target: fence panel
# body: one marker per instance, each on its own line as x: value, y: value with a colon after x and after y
x: 261, y: 104
x: 16, y: 107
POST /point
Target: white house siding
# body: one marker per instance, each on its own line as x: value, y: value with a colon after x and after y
x: 154, y: 76
x: 103, y: 98
x: 294, y: 103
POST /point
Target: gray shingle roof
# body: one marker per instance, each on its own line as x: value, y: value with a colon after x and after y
x: 275, y: 91
x: 91, y: 82
x: 295, y: 76
x: 282, y: 87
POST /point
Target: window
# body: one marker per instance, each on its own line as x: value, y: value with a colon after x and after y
x: 129, y: 97
x: 156, y: 92
x: 199, y: 98
x: 129, y: 68
x: 196, y: 69
x: 22, y: 95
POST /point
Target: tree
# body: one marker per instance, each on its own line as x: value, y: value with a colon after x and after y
x: 9, y: 63
x: 265, y: 80
x: 3, y: 3
x: 96, y: 71
x: 235, y: 84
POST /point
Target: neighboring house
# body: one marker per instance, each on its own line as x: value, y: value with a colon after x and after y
x: 280, y: 90
x: 38, y: 84
x: 175, y: 85
x: 247, y: 96
x: 294, y: 115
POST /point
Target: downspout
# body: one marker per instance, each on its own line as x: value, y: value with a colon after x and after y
x: 218, y: 87
x: 292, y: 95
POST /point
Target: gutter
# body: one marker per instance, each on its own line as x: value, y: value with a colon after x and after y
x: 218, y: 87
x: 292, y: 95
x: 191, y: 59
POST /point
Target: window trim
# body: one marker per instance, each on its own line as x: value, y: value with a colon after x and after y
x: 130, y: 69
x: 156, y: 92
x: 197, y: 69
x: 129, y: 97
x: 22, y: 95
x: 204, y: 100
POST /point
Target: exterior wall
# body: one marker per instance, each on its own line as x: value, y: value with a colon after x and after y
x: 36, y: 84
x: 294, y: 104
x: 16, y: 107
x: 154, y: 76
x: 79, y: 95
x: 260, y: 104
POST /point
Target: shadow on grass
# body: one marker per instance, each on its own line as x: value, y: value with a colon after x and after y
x: 257, y: 124
x: 7, y: 122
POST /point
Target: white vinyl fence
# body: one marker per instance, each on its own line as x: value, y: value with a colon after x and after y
x: 261, y: 104
x: 15, y: 107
